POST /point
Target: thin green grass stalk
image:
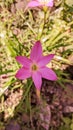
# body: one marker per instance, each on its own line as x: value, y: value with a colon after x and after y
x: 17, y: 86
x: 31, y: 28
x: 53, y: 35
x: 60, y: 37
x: 69, y: 40
x: 7, y: 85
x: 21, y: 14
x: 69, y: 24
x: 2, y: 103
x: 63, y: 60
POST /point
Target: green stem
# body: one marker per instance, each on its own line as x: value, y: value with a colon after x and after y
x: 41, y: 28
x: 44, y: 19
x: 28, y: 89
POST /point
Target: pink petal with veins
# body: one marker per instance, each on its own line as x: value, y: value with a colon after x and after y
x: 48, y: 73
x: 33, y: 4
x: 24, y: 61
x: 37, y: 79
x: 23, y: 73
x: 36, y: 52
x: 45, y: 60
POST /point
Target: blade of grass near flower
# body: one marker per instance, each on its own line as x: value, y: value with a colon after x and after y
x: 25, y: 93
x: 54, y: 35
x: 7, y: 85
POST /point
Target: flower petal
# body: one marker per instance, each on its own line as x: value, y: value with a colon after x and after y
x: 36, y: 52
x: 50, y: 3
x: 23, y: 73
x: 33, y: 4
x: 37, y: 79
x: 45, y: 60
x: 48, y: 73
x: 24, y: 61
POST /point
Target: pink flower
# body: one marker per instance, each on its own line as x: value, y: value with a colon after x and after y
x: 35, y: 66
x: 40, y: 3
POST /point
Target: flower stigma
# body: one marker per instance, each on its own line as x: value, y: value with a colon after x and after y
x: 34, y: 67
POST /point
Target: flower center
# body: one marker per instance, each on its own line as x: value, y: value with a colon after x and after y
x: 34, y: 67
